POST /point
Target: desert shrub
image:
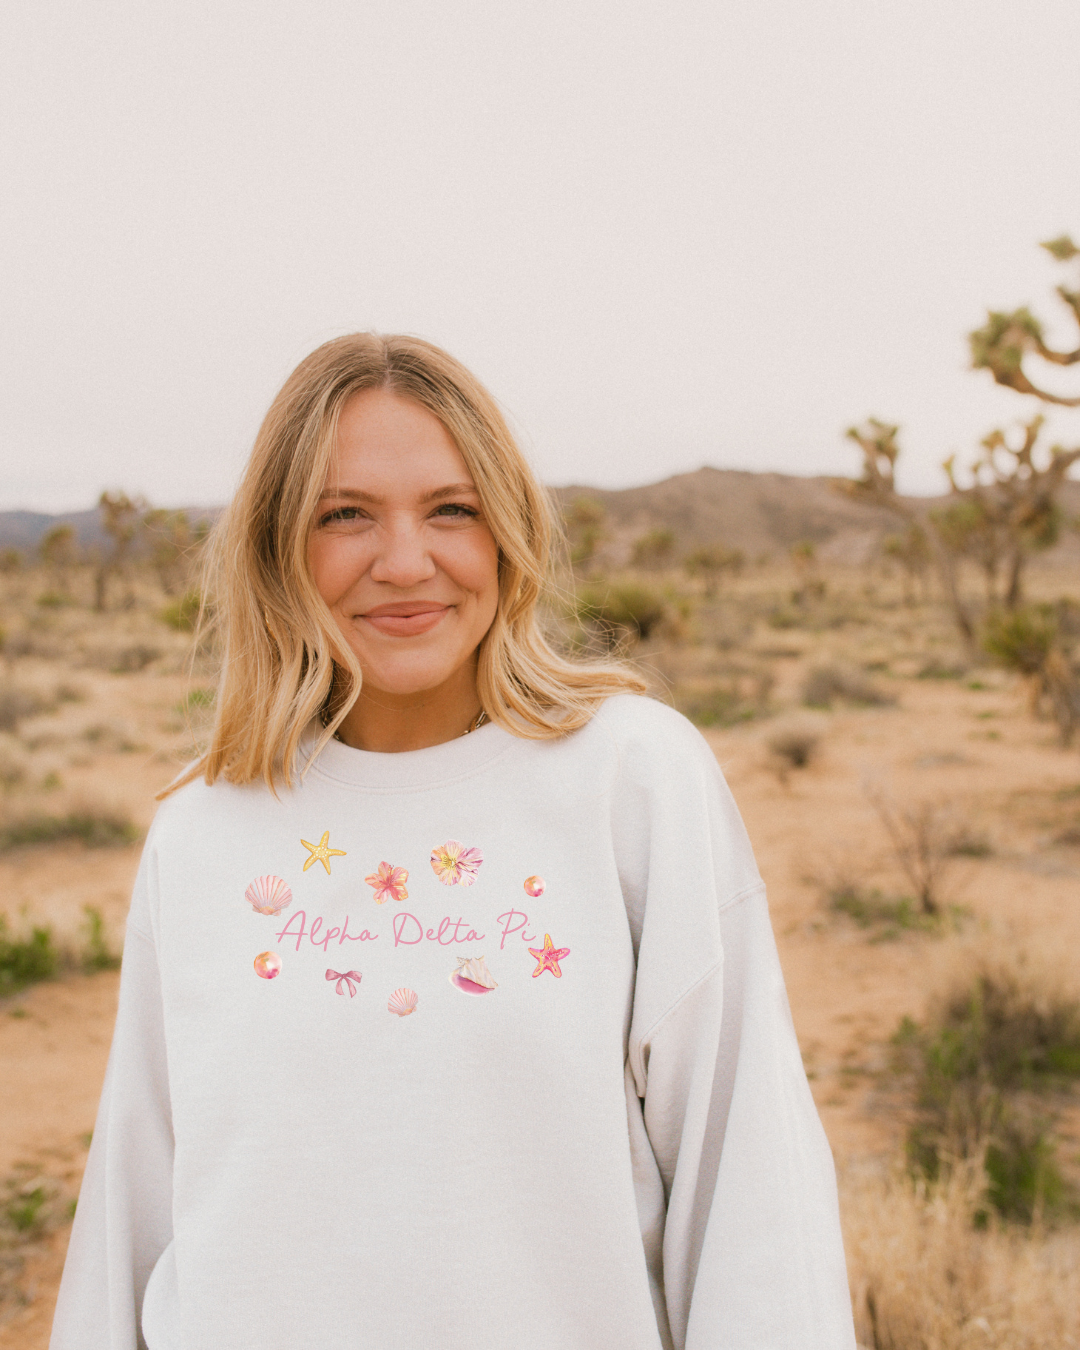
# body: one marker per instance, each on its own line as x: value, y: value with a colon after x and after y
x: 625, y: 609
x: 15, y: 704
x: 871, y: 908
x: 183, y: 613
x: 195, y: 700
x: 795, y: 747
x: 654, y: 547
x: 936, y: 669
x: 968, y: 843
x: 1021, y: 639
x: 1036, y: 641
x: 97, y: 954
x: 824, y: 685
x: 54, y: 600
x: 137, y: 657
x: 986, y: 1066
x: 23, y: 960
x: 94, y: 828
x: 725, y: 703
x: 924, y: 1274
x: 922, y: 835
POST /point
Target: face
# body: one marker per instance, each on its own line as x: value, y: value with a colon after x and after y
x: 400, y: 550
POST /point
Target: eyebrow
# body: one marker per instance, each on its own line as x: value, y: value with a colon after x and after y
x: 438, y: 495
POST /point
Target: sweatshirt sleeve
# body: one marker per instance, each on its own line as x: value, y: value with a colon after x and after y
x: 740, y: 1204
x: 123, y: 1221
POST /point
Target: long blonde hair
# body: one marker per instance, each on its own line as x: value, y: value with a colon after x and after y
x: 282, y: 656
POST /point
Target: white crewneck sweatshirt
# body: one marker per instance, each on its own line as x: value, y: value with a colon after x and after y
x: 484, y: 1045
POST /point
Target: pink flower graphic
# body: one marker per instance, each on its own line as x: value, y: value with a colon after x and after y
x: 454, y: 864
x: 389, y: 883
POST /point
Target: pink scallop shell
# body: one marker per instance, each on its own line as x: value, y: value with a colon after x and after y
x: 268, y: 965
x: 534, y: 886
x: 268, y: 895
x: 402, y: 1002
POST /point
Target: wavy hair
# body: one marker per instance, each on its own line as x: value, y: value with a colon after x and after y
x: 283, y: 661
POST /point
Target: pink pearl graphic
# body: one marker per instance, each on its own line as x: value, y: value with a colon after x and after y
x: 268, y: 965
x: 534, y: 886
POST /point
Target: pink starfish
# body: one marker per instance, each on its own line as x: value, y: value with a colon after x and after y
x: 548, y: 957
x: 389, y: 883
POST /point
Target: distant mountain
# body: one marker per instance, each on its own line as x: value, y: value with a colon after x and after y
x: 23, y: 529
x: 759, y: 513
x: 762, y: 514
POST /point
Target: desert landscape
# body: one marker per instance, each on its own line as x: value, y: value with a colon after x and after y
x: 912, y: 793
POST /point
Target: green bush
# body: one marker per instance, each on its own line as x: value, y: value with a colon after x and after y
x: 182, y: 614
x: 1021, y: 639
x: 97, y: 954
x: 95, y: 829
x: 25, y: 960
x: 627, y: 608
x: 986, y: 1070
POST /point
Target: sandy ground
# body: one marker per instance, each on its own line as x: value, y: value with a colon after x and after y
x: 976, y: 749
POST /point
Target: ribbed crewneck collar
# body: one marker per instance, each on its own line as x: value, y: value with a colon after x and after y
x: 436, y: 765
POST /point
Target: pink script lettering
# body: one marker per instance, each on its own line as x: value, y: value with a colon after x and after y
x: 408, y: 931
x: 315, y: 934
x: 509, y: 926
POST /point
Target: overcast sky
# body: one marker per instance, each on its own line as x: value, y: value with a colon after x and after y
x: 665, y: 235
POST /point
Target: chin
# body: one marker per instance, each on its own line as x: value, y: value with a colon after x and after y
x: 408, y: 678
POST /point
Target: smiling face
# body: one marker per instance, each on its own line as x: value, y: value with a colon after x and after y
x: 400, y: 550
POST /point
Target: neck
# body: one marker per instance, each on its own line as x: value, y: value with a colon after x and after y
x: 390, y: 723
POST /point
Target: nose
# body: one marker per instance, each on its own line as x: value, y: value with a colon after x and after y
x: 403, y: 558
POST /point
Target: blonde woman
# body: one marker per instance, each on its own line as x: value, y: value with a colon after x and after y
x: 450, y: 1013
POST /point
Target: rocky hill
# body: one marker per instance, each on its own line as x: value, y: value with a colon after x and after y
x: 759, y: 513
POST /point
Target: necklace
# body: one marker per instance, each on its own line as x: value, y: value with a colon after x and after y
x: 477, y: 722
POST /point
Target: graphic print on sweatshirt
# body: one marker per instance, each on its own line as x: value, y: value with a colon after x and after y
x: 454, y: 864
x: 322, y: 852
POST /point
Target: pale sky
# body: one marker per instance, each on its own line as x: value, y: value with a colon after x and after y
x: 665, y: 235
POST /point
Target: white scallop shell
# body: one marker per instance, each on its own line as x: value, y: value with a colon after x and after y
x: 402, y: 1002
x: 268, y: 895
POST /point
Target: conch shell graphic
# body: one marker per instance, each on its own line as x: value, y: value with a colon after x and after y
x: 472, y: 976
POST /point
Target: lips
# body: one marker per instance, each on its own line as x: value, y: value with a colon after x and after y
x: 406, y: 618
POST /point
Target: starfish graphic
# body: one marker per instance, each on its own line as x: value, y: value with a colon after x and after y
x: 321, y: 852
x: 548, y: 957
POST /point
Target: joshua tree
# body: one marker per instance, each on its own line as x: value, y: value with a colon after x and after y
x: 1009, y: 504
x: 1006, y: 340
x: 912, y: 551
x: 654, y: 548
x: 710, y: 562
x: 57, y: 549
x: 173, y: 541
x: 880, y: 450
x: 121, y: 518
x: 584, y: 521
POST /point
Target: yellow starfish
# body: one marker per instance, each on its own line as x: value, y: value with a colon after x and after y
x: 321, y: 852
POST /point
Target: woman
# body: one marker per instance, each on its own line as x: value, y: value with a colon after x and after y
x: 450, y: 1012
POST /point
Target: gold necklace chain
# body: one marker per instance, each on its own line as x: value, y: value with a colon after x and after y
x: 477, y: 722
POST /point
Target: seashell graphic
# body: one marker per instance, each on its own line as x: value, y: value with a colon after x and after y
x: 268, y: 895
x: 472, y: 976
x: 402, y: 1002
x: 534, y: 886
x: 268, y: 965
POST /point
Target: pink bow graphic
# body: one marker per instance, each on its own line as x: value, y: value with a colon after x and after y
x: 350, y: 977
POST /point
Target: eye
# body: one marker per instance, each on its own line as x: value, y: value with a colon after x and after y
x: 340, y: 515
x: 456, y: 510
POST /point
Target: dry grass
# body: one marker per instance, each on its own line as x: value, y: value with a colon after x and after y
x: 923, y: 1277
